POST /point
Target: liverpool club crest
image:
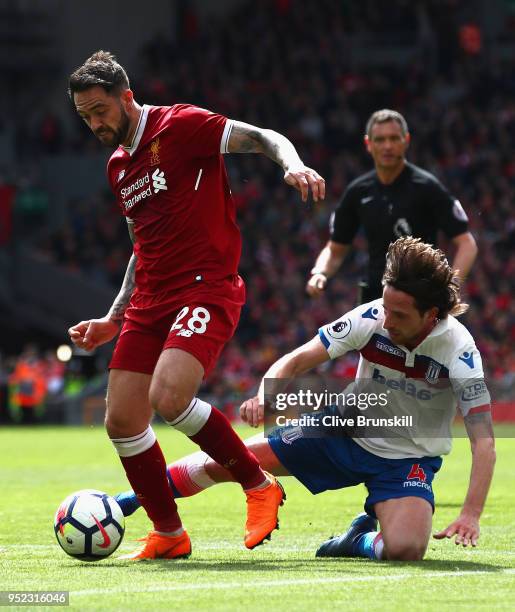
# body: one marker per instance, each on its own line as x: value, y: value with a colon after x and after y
x: 154, y: 152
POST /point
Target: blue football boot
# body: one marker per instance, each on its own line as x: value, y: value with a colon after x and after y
x: 346, y: 545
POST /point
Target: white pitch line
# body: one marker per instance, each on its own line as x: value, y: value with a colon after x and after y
x: 278, y: 583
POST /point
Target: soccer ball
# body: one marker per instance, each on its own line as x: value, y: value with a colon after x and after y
x: 89, y: 525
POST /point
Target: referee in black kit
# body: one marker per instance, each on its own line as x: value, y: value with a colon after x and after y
x: 393, y: 200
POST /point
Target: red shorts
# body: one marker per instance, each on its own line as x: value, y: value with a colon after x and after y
x: 199, y: 320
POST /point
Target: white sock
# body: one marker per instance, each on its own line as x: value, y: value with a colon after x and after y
x: 264, y: 484
x: 175, y: 533
x: 189, y: 474
x: 193, y: 418
x: 135, y: 445
x: 379, y: 547
x: 197, y: 470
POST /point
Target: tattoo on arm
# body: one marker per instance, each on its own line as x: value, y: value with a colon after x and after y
x: 246, y: 138
x: 479, y: 425
x: 479, y: 417
x: 121, y: 302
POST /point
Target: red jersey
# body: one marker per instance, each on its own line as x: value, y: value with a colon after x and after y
x: 172, y: 185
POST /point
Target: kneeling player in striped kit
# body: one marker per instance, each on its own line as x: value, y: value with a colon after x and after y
x: 410, y: 336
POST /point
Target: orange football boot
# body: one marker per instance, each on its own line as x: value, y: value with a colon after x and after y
x: 262, y: 508
x: 159, y: 546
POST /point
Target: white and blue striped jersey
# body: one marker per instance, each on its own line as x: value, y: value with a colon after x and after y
x: 444, y: 371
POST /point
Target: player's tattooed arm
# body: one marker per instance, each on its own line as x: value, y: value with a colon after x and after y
x: 481, y: 435
x: 482, y: 444
x: 90, y: 334
x: 121, y: 301
x: 479, y: 425
x: 246, y: 138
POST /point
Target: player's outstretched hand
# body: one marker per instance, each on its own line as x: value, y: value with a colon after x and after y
x: 88, y: 335
x: 306, y: 179
x: 252, y: 412
x: 316, y: 285
x: 465, y: 528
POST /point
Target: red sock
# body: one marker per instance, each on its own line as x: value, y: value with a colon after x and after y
x: 219, y: 440
x: 147, y: 474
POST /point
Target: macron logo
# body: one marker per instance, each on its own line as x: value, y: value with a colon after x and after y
x: 158, y: 180
x: 467, y: 358
x: 371, y: 313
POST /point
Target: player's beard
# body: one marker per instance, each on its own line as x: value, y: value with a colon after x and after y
x: 114, y: 138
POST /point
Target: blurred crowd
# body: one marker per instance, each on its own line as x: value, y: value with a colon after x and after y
x: 28, y: 382
x: 41, y: 385
x: 295, y: 67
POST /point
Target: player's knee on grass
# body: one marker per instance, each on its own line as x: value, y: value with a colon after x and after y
x: 405, y: 551
x: 406, y: 527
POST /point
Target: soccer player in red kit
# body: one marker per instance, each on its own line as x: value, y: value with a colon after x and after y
x: 181, y: 297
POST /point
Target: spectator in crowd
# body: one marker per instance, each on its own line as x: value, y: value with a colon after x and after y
x: 28, y: 386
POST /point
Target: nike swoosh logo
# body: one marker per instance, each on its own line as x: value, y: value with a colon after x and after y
x: 365, y: 200
x: 61, y: 513
x: 107, y: 539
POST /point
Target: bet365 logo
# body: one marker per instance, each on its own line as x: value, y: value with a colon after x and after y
x: 159, y: 180
x: 405, y: 385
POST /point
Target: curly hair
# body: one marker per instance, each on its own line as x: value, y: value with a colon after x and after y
x: 102, y: 70
x: 423, y: 272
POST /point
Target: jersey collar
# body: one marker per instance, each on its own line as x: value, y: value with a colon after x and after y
x: 440, y: 328
x: 399, y: 179
x: 139, y: 130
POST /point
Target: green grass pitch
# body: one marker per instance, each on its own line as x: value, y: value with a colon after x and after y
x: 40, y: 466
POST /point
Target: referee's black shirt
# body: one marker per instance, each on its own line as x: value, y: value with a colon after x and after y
x: 415, y: 204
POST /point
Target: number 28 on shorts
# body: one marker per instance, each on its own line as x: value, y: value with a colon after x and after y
x: 186, y: 323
